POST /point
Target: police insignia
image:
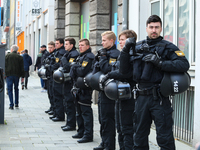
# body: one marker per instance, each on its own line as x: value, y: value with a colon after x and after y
x: 112, y: 60
x: 84, y: 63
x: 179, y: 53
x: 71, y: 60
x: 57, y: 59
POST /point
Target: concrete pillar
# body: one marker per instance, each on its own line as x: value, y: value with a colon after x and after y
x: 99, y: 21
x: 59, y: 23
x: 72, y: 20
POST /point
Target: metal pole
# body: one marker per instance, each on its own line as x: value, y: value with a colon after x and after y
x: 125, y: 15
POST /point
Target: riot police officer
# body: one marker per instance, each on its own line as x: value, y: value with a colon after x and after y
x: 83, y: 96
x: 106, y: 107
x: 69, y: 105
x: 57, y: 87
x: 48, y: 61
x: 123, y: 108
x: 152, y: 58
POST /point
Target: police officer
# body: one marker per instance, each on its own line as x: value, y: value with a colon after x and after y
x: 153, y: 57
x: 83, y: 96
x: 106, y: 107
x: 69, y: 106
x: 123, y: 108
x: 45, y: 54
x: 57, y: 87
x: 48, y: 61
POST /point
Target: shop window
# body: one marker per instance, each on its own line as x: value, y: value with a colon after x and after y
x: 183, y: 26
x: 168, y: 20
x: 114, y: 18
x: 85, y: 20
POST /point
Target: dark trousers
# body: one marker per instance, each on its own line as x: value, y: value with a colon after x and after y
x: 106, y: 109
x: 146, y: 110
x: 69, y: 105
x: 58, y: 97
x: 26, y: 78
x: 50, y: 93
x: 84, y: 116
x: 13, y: 80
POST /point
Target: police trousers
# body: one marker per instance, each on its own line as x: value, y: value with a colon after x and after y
x: 106, y: 109
x: 160, y: 111
x: 50, y: 93
x: 69, y: 105
x: 58, y: 97
x: 124, y: 124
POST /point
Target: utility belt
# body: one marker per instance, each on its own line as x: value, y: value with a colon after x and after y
x: 154, y: 90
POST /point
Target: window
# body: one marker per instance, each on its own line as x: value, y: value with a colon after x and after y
x: 155, y: 8
x: 168, y: 20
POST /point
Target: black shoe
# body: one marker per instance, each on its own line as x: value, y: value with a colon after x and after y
x: 85, y: 140
x: 52, y: 117
x: 63, y: 126
x: 22, y: 87
x: 11, y: 107
x: 57, y: 119
x: 26, y: 87
x: 77, y: 136
x: 16, y: 105
x: 47, y: 110
x: 51, y: 112
x: 100, y: 147
x: 68, y: 128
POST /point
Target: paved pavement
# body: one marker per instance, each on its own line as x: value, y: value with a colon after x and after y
x: 29, y: 128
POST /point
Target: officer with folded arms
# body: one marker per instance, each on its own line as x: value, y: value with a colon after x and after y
x: 84, y: 113
x: 153, y: 57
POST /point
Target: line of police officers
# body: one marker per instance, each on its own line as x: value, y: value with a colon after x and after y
x: 73, y: 75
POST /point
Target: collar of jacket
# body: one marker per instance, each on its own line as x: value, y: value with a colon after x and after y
x: 14, y: 52
x: 62, y: 47
x: 154, y: 41
x: 113, y: 47
x: 74, y: 48
x: 87, y: 51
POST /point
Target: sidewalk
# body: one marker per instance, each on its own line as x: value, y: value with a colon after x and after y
x: 29, y: 127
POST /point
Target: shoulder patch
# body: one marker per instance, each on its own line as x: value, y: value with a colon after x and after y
x: 84, y: 63
x: 71, y: 60
x: 112, y: 60
x: 180, y: 53
x: 57, y: 59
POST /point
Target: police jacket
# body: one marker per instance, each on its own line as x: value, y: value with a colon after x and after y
x: 173, y: 60
x: 45, y: 53
x: 81, y: 69
x: 14, y: 65
x: 105, y: 62
x: 27, y: 61
x: 49, y: 61
x: 68, y: 58
x: 57, y: 57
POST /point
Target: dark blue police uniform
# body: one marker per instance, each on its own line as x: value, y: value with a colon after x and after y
x: 150, y: 104
x: 69, y: 105
x: 84, y: 113
x: 106, y: 106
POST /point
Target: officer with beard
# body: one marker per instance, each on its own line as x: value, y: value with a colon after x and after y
x: 69, y: 105
x: 152, y: 58
x: 106, y: 107
x: 57, y: 87
x: 83, y: 95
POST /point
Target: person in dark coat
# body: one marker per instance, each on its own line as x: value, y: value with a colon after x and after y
x: 27, y: 63
x: 14, y: 69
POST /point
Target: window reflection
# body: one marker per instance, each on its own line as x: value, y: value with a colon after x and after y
x: 183, y: 26
x: 168, y: 20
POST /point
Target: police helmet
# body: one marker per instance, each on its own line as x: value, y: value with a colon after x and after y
x: 174, y: 83
x: 60, y: 77
x: 42, y: 73
x: 83, y: 83
x: 94, y: 81
x: 117, y: 90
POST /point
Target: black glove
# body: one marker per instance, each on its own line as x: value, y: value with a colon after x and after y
x: 103, y: 80
x: 46, y: 66
x: 130, y: 42
x: 96, y: 57
x: 102, y: 52
x: 153, y: 59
